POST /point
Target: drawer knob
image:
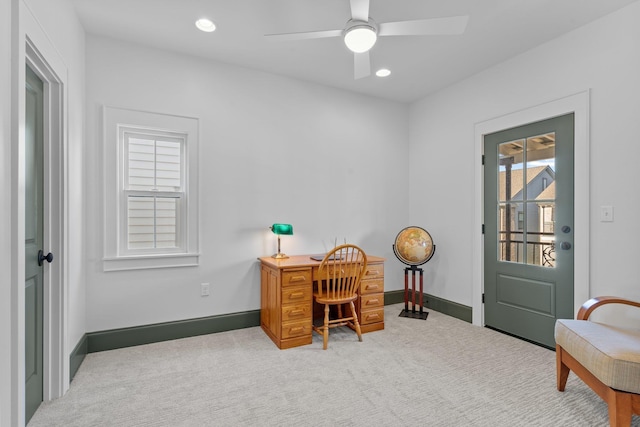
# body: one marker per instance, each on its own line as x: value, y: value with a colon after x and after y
x: 296, y: 313
x: 373, y: 301
x: 297, y: 279
x: 373, y: 316
x: 296, y: 295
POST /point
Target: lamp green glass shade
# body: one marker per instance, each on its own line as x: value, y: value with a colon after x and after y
x: 280, y: 229
x: 286, y: 229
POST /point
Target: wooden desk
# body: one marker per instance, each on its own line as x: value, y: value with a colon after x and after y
x: 286, y: 298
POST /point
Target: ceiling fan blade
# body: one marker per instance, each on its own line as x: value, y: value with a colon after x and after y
x: 305, y: 35
x: 360, y: 10
x: 361, y: 65
x: 424, y: 27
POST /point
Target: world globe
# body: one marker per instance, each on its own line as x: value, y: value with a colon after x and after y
x: 414, y: 246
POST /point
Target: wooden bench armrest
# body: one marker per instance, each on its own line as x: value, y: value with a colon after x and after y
x: 588, y: 307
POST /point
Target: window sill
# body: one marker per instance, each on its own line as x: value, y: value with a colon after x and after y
x: 144, y: 262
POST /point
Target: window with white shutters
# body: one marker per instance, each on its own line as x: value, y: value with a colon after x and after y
x: 151, y: 162
x: 153, y: 190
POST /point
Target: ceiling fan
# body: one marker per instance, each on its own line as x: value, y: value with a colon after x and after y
x: 361, y: 33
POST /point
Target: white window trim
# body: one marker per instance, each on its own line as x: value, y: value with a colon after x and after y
x: 114, y: 121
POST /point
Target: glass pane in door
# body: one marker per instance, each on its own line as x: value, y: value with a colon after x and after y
x: 510, y: 232
x: 540, y: 197
x: 526, y: 200
x: 510, y: 208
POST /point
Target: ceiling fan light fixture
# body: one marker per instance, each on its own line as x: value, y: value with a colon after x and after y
x: 205, y: 25
x: 360, y: 38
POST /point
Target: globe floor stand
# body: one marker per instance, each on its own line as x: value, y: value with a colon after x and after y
x: 413, y: 314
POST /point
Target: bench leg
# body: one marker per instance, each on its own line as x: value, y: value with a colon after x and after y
x: 621, y: 405
x: 619, y: 408
x: 562, y: 370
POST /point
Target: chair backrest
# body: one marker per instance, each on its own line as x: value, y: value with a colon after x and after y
x: 340, y: 272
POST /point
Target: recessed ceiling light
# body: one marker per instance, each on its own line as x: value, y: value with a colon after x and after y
x: 383, y: 72
x: 206, y: 25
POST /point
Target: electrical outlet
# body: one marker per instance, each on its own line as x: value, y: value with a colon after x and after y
x: 606, y: 213
x: 204, y: 289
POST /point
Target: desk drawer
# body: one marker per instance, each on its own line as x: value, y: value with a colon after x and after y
x: 296, y: 312
x: 297, y: 294
x: 374, y: 271
x: 296, y: 329
x: 296, y: 277
x: 372, y: 286
x: 369, y: 301
x: 372, y: 316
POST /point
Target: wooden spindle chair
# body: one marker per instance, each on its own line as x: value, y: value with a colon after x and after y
x: 339, y: 277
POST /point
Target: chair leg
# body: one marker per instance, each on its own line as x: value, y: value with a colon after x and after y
x: 325, y: 331
x: 355, y: 321
x: 562, y: 370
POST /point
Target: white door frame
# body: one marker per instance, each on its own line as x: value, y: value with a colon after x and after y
x: 32, y: 46
x: 579, y: 104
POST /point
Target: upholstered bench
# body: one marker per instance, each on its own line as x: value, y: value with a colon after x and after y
x: 605, y: 357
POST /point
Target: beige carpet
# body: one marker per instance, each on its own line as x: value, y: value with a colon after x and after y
x: 438, y: 372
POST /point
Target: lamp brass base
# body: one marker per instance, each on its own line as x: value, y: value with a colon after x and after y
x: 279, y: 255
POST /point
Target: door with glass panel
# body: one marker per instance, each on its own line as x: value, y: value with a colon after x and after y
x: 528, y: 217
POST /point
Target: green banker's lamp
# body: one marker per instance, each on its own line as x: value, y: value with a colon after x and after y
x: 279, y: 229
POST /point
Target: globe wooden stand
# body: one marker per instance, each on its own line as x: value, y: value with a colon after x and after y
x: 413, y: 314
x: 413, y: 247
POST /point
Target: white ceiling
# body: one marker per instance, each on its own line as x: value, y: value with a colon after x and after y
x: 420, y: 65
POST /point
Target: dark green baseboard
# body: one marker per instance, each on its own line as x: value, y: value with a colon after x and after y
x: 77, y: 356
x: 127, y: 337
x: 441, y: 305
x: 147, y: 334
x: 393, y: 297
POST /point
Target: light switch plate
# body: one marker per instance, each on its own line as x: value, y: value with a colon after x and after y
x: 204, y: 289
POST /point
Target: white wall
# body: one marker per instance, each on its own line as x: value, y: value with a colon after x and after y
x: 602, y: 56
x: 272, y: 149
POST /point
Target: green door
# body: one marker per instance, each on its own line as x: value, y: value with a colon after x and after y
x: 528, y: 240
x: 34, y: 230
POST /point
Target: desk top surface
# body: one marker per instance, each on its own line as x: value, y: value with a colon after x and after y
x: 304, y: 261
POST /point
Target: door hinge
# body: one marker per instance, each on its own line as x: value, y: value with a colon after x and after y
x: 482, y: 228
x: 483, y: 159
x: 483, y: 298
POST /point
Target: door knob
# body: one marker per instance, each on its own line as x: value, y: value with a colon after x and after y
x: 42, y: 257
x: 565, y: 245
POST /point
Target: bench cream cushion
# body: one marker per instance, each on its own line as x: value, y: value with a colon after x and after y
x: 610, y: 353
